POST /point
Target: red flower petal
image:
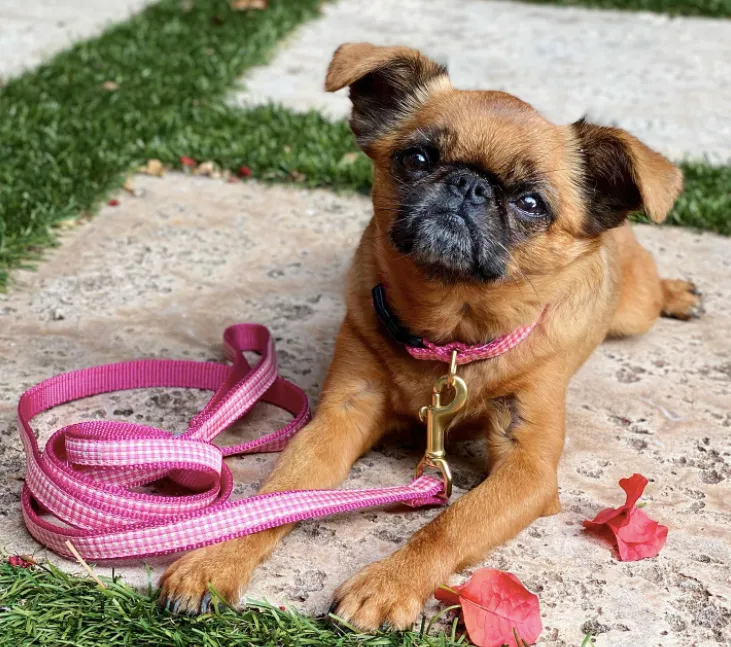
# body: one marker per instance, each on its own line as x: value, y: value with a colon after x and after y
x: 113, y: 202
x: 187, y: 161
x: 245, y: 171
x: 20, y: 561
x: 635, y: 534
x: 640, y: 538
x: 447, y: 595
x: 497, y: 608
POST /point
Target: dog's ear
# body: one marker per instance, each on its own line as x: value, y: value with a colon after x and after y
x: 386, y: 85
x: 620, y: 175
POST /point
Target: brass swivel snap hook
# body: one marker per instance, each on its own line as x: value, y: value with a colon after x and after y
x: 437, y: 417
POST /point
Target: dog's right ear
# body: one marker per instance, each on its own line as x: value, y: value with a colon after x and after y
x: 386, y: 85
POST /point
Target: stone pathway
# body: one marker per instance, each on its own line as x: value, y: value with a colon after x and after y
x: 32, y: 31
x: 162, y: 274
x: 667, y: 80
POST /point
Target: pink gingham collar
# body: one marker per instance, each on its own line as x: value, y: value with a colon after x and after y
x: 420, y: 348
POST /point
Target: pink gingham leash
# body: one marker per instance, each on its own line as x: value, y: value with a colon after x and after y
x: 87, y: 475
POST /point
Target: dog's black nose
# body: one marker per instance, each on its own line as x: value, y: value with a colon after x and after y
x: 470, y: 187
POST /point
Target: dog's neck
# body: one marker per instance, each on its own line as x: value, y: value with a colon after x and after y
x: 443, y: 313
x: 472, y: 313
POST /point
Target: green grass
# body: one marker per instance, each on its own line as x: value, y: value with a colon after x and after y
x: 66, y: 142
x: 43, y: 606
x: 706, y: 201
x: 276, y: 143
x: 709, y: 8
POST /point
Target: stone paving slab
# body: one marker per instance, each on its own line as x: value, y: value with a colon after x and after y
x: 161, y: 275
x: 32, y: 31
x: 667, y: 80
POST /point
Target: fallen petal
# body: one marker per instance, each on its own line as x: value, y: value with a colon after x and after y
x: 448, y: 595
x: 21, y: 561
x: 641, y: 538
x: 635, y: 535
x: 496, y: 608
x: 154, y: 167
x: 246, y: 5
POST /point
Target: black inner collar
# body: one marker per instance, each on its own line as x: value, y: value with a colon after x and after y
x: 395, y: 328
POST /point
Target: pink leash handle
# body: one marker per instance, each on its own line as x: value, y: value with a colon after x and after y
x: 81, y: 487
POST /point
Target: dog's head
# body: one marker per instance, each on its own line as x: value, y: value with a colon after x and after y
x: 477, y: 186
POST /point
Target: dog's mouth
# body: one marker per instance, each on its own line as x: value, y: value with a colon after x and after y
x: 448, y: 244
x: 445, y: 240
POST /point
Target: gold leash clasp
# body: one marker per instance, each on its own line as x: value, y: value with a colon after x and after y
x: 437, y: 417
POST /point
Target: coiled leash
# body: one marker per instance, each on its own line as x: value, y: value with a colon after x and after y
x: 83, y: 488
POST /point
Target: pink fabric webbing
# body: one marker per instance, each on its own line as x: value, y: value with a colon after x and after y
x: 467, y: 354
x: 85, y: 477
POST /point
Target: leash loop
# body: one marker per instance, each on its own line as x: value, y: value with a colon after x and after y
x: 83, y: 487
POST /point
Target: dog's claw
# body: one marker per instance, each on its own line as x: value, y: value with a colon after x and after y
x: 205, y: 603
x: 176, y: 606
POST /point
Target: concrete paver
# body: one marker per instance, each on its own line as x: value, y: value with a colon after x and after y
x: 667, y: 80
x: 32, y: 31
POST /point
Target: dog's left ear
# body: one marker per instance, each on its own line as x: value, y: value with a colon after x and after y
x: 386, y: 85
x: 621, y: 175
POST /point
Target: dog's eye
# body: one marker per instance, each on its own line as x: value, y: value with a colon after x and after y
x: 531, y: 204
x: 417, y: 160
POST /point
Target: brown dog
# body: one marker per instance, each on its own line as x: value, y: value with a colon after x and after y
x: 486, y: 217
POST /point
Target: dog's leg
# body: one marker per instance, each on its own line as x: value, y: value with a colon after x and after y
x: 644, y: 296
x: 521, y: 487
x: 349, y: 420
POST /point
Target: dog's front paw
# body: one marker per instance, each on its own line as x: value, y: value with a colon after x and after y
x: 187, y: 583
x: 386, y: 593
